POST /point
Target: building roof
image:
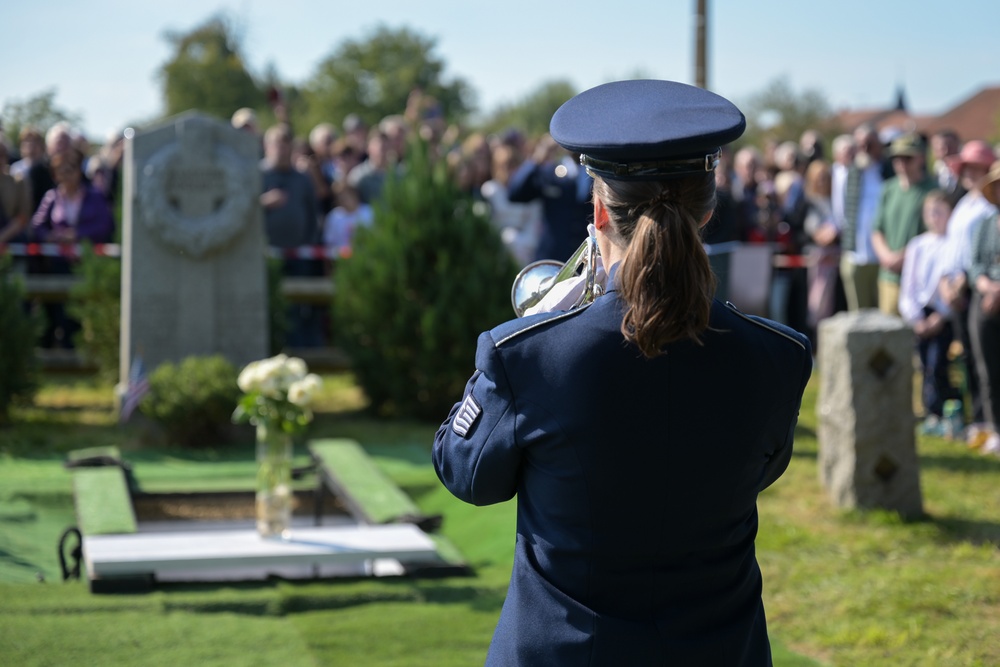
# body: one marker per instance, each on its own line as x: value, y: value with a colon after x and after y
x: 977, y: 117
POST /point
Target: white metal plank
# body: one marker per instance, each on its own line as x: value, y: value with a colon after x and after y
x: 143, y: 553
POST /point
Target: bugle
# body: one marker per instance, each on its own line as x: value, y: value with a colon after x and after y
x: 537, y: 279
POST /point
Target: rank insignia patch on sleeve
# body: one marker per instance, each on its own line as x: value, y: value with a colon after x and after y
x: 466, y: 416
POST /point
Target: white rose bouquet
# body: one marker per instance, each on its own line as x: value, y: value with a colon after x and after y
x: 277, y: 393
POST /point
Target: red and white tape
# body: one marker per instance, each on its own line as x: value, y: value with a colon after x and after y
x: 74, y: 250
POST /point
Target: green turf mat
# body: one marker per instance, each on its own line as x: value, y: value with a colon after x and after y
x: 365, y: 488
x: 110, y: 455
x: 30, y: 528
x: 32, y: 476
x: 103, y: 504
x: 172, y: 474
x: 448, y: 552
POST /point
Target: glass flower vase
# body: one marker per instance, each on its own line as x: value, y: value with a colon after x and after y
x: 274, y: 482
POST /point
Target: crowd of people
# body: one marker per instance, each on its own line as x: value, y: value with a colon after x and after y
x: 57, y: 192
x: 894, y: 220
x: 900, y: 222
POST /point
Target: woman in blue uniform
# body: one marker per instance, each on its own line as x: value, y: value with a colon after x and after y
x: 637, y: 431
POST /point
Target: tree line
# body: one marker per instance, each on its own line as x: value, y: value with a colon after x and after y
x: 372, y: 76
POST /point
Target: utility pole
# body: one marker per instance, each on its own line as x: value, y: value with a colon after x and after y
x: 701, y: 48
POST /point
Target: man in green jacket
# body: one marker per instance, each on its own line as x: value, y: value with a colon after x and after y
x: 898, y: 218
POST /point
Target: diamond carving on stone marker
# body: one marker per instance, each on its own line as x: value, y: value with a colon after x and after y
x: 881, y: 363
x: 886, y: 468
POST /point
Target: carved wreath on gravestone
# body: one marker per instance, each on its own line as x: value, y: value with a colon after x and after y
x: 195, y: 195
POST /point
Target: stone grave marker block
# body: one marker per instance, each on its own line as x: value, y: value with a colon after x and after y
x: 867, y: 446
x: 194, y: 274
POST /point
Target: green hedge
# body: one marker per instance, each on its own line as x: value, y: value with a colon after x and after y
x: 95, y: 300
x: 193, y: 400
x: 18, y: 331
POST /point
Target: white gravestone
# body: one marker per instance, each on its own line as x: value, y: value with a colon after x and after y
x: 194, y: 274
x: 867, y: 448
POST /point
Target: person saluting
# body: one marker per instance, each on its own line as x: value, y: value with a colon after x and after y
x: 636, y: 431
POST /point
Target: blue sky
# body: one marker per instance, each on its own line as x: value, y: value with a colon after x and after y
x: 102, y: 56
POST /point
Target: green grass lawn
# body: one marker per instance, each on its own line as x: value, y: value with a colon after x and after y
x: 841, y: 588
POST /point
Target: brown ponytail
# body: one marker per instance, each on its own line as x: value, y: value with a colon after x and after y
x: 665, y: 278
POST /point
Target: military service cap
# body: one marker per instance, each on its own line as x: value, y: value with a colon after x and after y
x: 647, y: 129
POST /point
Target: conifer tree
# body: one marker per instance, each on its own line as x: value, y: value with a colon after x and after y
x: 423, y: 281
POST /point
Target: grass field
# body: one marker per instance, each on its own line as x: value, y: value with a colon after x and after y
x: 841, y: 588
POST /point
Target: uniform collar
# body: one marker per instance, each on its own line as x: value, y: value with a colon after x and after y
x: 613, y: 277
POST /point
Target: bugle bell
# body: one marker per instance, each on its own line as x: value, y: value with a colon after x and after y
x: 537, y: 279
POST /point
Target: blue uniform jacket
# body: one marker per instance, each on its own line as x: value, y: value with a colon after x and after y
x: 636, y: 481
x: 566, y: 205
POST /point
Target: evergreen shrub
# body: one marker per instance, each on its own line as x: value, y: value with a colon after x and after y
x: 95, y: 301
x: 193, y: 400
x: 19, y: 374
x: 422, y: 282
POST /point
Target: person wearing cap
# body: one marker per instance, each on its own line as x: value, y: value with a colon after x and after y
x: 973, y: 162
x: 636, y: 502
x: 555, y: 178
x: 899, y: 216
x: 984, y: 312
x: 245, y: 119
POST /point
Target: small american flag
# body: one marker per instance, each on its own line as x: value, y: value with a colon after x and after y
x: 138, y: 386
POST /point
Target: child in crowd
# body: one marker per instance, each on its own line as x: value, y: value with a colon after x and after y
x: 345, y: 218
x: 923, y: 307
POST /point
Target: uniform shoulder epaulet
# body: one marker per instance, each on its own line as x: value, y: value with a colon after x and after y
x: 512, y: 329
x: 773, y: 327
